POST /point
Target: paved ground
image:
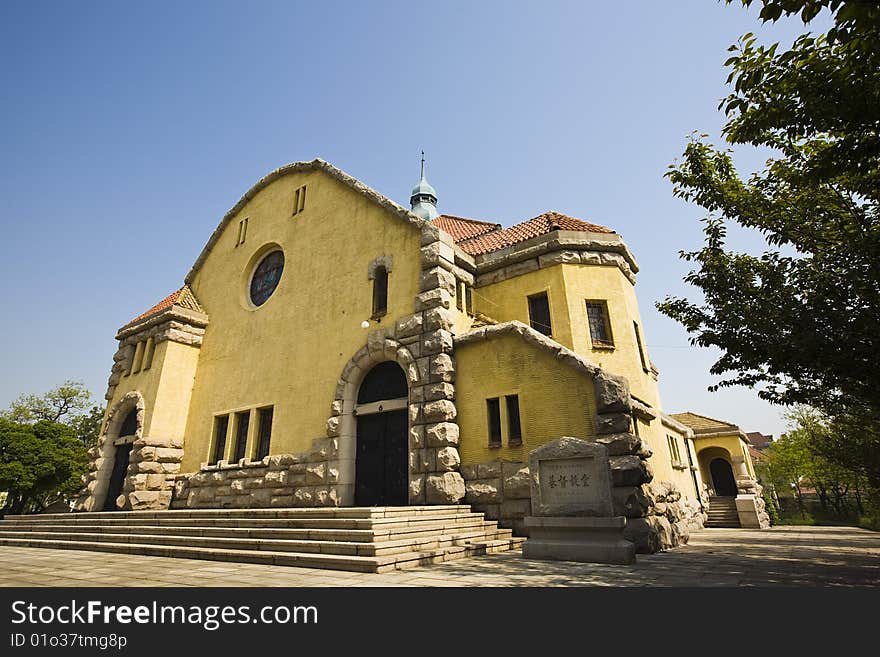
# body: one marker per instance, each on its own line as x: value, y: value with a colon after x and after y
x: 782, y: 556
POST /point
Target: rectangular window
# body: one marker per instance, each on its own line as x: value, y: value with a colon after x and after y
x: 149, y: 348
x: 674, y: 454
x: 469, y: 300
x: 459, y: 296
x: 265, y: 432
x: 641, y: 348
x: 539, y: 313
x: 380, y: 292
x: 299, y: 200
x: 242, y: 231
x: 221, y: 426
x: 600, y: 326
x: 138, y: 357
x: 514, y: 428
x: 493, y: 413
x: 242, y: 422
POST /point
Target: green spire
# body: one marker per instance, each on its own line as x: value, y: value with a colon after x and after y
x: 424, y: 198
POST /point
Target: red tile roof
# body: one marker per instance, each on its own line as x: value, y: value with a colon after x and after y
x: 461, y: 228
x: 183, y: 298
x: 493, y: 240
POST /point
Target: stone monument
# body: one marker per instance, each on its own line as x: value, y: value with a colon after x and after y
x: 571, y: 502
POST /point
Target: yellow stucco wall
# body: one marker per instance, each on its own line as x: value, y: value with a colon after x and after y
x: 733, y: 444
x: 174, y: 390
x: 166, y: 387
x: 554, y: 400
x: 290, y: 351
x: 655, y: 433
x: 508, y: 300
x: 606, y: 283
x: 568, y: 287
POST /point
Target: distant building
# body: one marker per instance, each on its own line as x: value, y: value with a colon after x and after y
x: 759, y: 440
x: 726, y: 464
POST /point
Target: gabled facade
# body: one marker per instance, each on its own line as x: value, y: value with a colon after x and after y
x: 332, y: 348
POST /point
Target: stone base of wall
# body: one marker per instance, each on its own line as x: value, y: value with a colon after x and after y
x: 658, y: 517
x: 154, y: 464
x: 501, y: 490
x: 280, y: 480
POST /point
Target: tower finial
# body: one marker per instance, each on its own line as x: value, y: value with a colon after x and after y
x: 424, y: 199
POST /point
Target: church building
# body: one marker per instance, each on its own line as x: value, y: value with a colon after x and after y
x: 331, y: 348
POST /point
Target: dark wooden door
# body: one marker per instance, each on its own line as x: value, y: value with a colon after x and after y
x: 117, y: 477
x: 382, y: 460
x: 722, y: 478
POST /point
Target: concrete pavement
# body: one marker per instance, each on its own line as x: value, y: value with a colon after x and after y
x: 781, y: 556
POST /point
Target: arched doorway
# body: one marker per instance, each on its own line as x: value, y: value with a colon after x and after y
x: 723, y: 480
x: 121, y: 455
x: 382, y: 456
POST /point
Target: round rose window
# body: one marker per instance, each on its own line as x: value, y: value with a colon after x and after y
x: 266, y: 277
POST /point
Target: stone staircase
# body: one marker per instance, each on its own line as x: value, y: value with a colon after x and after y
x: 365, y: 539
x: 722, y: 512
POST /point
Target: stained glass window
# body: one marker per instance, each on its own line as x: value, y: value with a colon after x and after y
x: 266, y: 277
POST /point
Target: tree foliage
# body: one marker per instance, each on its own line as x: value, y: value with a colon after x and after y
x: 70, y: 404
x: 43, y: 446
x: 40, y: 463
x: 798, y: 460
x: 799, y: 321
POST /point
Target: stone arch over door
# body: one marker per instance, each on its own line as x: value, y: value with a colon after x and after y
x: 130, y: 403
x: 382, y: 447
x: 716, y: 467
x: 343, y: 422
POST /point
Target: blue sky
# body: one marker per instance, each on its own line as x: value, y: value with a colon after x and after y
x: 129, y: 129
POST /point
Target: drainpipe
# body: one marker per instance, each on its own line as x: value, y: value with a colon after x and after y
x: 687, y: 444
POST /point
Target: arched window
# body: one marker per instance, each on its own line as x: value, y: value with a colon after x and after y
x: 129, y: 424
x: 385, y: 381
x: 380, y: 292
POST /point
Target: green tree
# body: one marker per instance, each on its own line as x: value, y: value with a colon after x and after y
x: 799, y: 321
x: 60, y: 404
x: 70, y: 404
x: 797, y: 460
x: 87, y: 426
x: 40, y: 463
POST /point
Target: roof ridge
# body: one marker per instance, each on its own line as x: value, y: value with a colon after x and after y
x: 470, y: 219
x: 183, y: 297
x: 707, y: 417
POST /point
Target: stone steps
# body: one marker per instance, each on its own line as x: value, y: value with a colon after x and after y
x: 360, y: 539
x: 397, y: 532
x: 295, y: 512
x: 722, y: 512
x: 358, y: 548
